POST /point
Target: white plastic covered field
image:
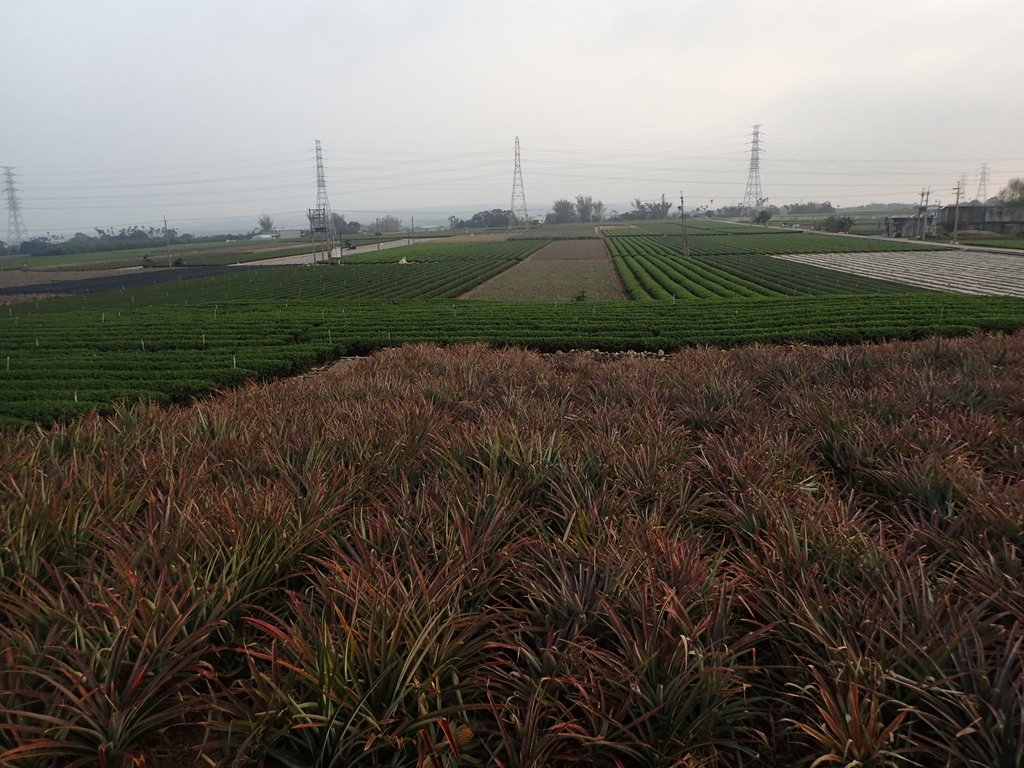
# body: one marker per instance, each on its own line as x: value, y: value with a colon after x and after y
x: 981, y: 272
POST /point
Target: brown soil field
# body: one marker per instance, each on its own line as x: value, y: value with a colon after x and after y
x: 17, y: 278
x: 20, y: 298
x: 31, y: 286
x: 572, y: 250
x: 560, y: 271
x: 472, y: 239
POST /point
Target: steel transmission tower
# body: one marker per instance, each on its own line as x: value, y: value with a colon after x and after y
x: 982, y: 183
x: 752, y: 199
x: 321, y: 220
x: 15, y: 224
x: 518, y: 218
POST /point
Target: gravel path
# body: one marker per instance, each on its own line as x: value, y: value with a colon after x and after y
x: 307, y: 258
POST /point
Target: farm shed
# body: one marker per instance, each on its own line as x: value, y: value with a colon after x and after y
x: 907, y: 226
x: 999, y: 219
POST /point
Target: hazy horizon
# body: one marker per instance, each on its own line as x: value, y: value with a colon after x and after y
x: 207, y: 112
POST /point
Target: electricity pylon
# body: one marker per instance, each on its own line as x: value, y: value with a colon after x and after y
x: 321, y: 220
x: 518, y: 218
x: 15, y: 224
x: 752, y: 198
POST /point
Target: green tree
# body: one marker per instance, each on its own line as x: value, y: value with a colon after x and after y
x: 1013, y: 192
x: 642, y: 210
x: 564, y: 210
x: 763, y: 217
x: 492, y: 219
x: 266, y: 224
x: 389, y: 223
x: 598, y: 210
x: 837, y: 223
x: 584, y: 208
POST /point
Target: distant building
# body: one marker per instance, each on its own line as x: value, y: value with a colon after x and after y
x: 997, y: 218
x: 291, y: 234
x: 908, y: 226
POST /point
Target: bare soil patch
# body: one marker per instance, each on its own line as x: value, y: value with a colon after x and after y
x: 560, y: 271
x: 51, y: 283
x: 472, y: 239
x: 572, y: 250
x: 17, y: 278
x: 21, y: 298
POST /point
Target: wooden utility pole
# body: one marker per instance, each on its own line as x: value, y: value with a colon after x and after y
x: 682, y: 215
x: 167, y: 242
x: 956, y: 215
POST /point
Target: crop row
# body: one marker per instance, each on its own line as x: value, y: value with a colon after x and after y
x: 651, y: 268
x: 788, y: 242
x: 663, y: 274
x: 693, y: 226
x: 432, y: 271
x: 710, y: 237
x: 444, y: 251
x: 48, y: 357
x: 777, y: 274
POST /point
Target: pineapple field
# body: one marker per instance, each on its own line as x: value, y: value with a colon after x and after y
x: 459, y: 556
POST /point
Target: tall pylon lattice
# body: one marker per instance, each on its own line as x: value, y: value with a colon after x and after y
x: 752, y: 198
x: 15, y: 224
x: 982, y: 183
x: 321, y: 220
x: 518, y: 218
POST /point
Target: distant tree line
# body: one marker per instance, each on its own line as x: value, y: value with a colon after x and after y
x: 109, y: 239
x: 647, y: 210
x: 825, y: 207
x: 492, y: 219
x: 837, y: 223
x: 343, y: 227
x: 584, y: 210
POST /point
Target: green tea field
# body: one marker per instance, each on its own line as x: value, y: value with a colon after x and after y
x: 129, y: 338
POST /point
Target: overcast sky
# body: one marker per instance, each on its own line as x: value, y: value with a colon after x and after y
x: 118, y: 112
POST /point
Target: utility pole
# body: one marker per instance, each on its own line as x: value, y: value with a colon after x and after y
x: 956, y: 216
x: 682, y: 214
x: 924, y: 223
x: 167, y: 242
x: 921, y: 209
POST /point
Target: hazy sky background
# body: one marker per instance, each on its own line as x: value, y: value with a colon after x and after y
x: 119, y: 112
